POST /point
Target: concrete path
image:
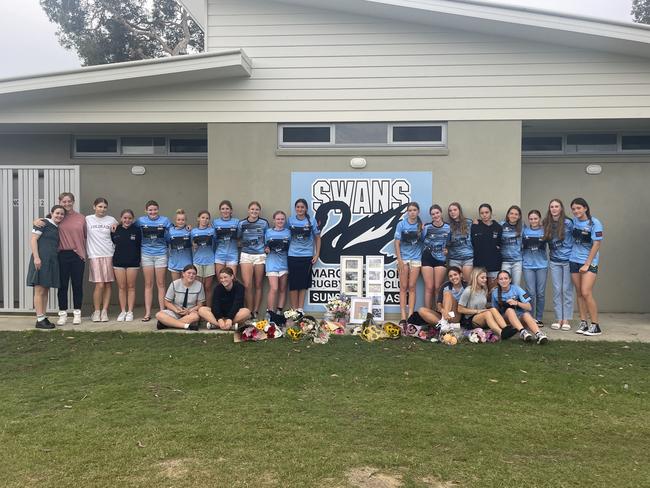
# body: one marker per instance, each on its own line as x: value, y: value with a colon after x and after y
x: 616, y: 327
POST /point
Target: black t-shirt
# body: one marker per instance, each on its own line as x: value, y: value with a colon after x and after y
x: 486, y: 240
x: 127, y: 247
x: 226, y: 304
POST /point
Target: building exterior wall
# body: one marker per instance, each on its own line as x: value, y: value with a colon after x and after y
x: 619, y: 198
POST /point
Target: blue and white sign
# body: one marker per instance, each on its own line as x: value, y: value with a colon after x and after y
x: 357, y: 214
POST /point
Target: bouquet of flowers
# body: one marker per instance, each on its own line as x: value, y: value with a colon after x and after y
x: 307, y: 327
x: 338, y: 308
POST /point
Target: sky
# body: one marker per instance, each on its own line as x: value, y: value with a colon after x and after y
x: 31, y: 45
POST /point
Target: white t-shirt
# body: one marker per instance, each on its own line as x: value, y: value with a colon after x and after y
x: 98, y: 242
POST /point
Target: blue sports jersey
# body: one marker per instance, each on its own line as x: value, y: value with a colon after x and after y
x: 435, y: 240
x: 278, y: 242
x: 560, y: 249
x: 303, y: 233
x: 510, y: 243
x: 251, y: 235
x: 585, y: 232
x: 203, y: 246
x: 226, y: 240
x: 180, y: 248
x: 153, y: 235
x: 534, y: 248
x: 459, y: 246
x: 410, y: 240
x: 515, y: 292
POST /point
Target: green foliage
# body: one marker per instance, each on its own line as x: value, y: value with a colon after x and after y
x: 112, y: 31
x: 641, y: 11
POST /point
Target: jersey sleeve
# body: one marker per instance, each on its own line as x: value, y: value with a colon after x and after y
x: 597, y: 230
x: 464, y: 298
x: 398, y: 231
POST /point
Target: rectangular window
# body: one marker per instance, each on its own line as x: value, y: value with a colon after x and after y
x: 639, y: 142
x: 308, y: 135
x: 189, y: 146
x: 361, y: 134
x: 144, y: 146
x: 541, y: 144
x: 576, y: 143
x: 417, y: 134
x: 95, y: 145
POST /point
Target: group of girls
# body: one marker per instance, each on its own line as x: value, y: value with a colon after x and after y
x: 285, y: 251
x: 484, y: 262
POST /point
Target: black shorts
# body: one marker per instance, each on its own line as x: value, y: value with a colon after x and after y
x: 466, y: 322
x: 575, y: 267
x: 299, y: 272
x: 430, y: 261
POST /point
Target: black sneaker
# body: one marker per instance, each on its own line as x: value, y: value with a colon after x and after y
x: 194, y: 326
x: 48, y: 321
x: 583, y: 327
x: 539, y: 323
x: 593, y: 330
x: 508, y: 332
x: 160, y: 325
x: 45, y: 324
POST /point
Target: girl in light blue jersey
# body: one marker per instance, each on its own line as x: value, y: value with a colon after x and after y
x: 459, y: 248
x: 277, y: 242
x: 434, y: 254
x: 558, y: 232
x: 154, y: 255
x: 535, y: 263
x: 583, y: 264
x: 180, y: 245
x: 251, y: 232
x: 513, y: 303
x: 225, y: 227
x: 511, y: 255
x: 304, y: 250
x: 203, y: 252
x: 408, y: 249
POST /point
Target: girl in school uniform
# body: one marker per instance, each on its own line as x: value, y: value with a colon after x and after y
x: 434, y: 254
x: 459, y: 248
x: 277, y: 243
x: 535, y: 263
x: 304, y: 249
x: 203, y: 252
x: 583, y: 264
x: 486, y: 242
x: 251, y: 232
x: 408, y: 249
x: 225, y: 227
x: 558, y: 233
x: 179, y: 242
x: 127, y: 240
x: 43, y: 272
x: 154, y: 228
x: 100, y: 248
x: 513, y: 302
x: 511, y: 255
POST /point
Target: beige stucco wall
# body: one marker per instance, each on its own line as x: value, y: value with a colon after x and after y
x: 244, y: 164
x: 619, y: 198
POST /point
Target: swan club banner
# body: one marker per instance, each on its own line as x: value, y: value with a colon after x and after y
x: 357, y: 214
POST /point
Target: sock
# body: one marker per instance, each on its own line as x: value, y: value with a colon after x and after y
x: 40, y: 318
x: 186, y: 326
x: 595, y: 323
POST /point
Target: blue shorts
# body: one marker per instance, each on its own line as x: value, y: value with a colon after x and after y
x: 575, y: 267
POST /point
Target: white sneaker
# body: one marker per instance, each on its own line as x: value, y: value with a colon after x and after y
x: 76, y: 317
x: 104, y: 316
x: 63, y: 317
x: 96, y: 316
x: 555, y: 326
x: 128, y: 317
x: 121, y: 317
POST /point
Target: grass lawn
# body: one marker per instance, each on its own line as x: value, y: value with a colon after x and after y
x: 176, y: 410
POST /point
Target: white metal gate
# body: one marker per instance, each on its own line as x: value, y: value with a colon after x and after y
x: 27, y: 192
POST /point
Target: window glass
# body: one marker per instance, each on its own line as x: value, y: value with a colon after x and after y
x: 143, y: 145
x: 306, y: 134
x: 188, y: 145
x: 591, y: 143
x: 361, y: 133
x: 636, y: 143
x: 417, y: 133
x: 541, y: 143
x: 95, y: 145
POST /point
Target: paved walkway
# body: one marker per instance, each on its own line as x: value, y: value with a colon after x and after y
x: 616, y: 327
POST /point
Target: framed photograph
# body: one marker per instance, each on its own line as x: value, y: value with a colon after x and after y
x: 375, y: 285
x: 374, y: 289
x: 352, y: 275
x: 376, y: 262
x: 359, y: 308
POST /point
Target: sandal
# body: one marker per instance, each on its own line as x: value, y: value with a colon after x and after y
x: 146, y: 318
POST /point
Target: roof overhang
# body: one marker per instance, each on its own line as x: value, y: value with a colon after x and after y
x: 538, y: 25
x: 231, y: 63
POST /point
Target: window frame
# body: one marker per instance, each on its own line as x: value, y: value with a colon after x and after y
x: 120, y: 155
x: 117, y: 153
x: 331, y: 143
x: 555, y: 134
x: 443, y: 134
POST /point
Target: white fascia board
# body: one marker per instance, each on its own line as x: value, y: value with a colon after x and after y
x: 198, y: 10
x: 621, y: 37
x: 133, y: 74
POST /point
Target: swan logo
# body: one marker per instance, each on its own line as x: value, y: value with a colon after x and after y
x: 357, y: 214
